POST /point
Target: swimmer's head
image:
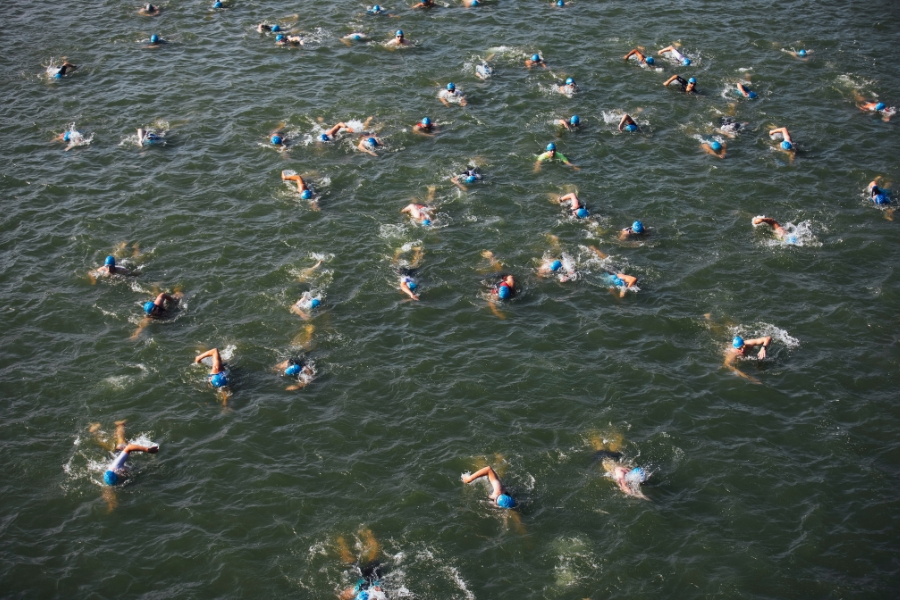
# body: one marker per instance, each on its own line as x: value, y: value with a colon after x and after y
x: 58, y: 76
x: 149, y: 305
x: 474, y: 3
x: 471, y: 179
x: 217, y: 4
x: 399, y: 34
x: 560, y: 3
x: 551, y: 147
x: 716, y: 146
x: 154, y: 39
x: 636, y: 475
x: 786, y: 145
x: 110, y: 261
x: 276, y: 28
x: 276, y: 140
x: 737, y: 342
x: 372, y: 142
x: 582, y: 213
x: 306, y: 194
x: 692, y: 80
x: 879, y: 106
x: 412, y: 285
x: 426, y: 222
x: 426, y: 121
x: 503, y: 293
x: 574, y: 120
x: 637, y: 227
x: 279, y: 37
x: 751, y: 95
x: 555, y: 266
x: 315, y: 303
x: 570, y: 81
x: 505, y: 501
x: 218, y: 380
x: 686, y: 62
x: 293, y: 370
x: 649, y: 60
x: 376, y: 8
x: 801, y: 53
x: 535, y: 58
x: 324, y: 137
x: 631, y: 127
x: 451, y: 87
x: 110, y: 477
x: 67, y: 136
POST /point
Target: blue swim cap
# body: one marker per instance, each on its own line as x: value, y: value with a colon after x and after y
x: 426, y: 222
x: 631, y: 127
x: 879, y: 106
x: 574, y: 120
x: 426, y: 121
x: 737, y: 342
x: 881, y: 199
x: 149, y: 305
x: 560, y: 3
x: 786, y: 145
x: 412, y: 285
x: 751, y: 95
x: 555, y: 266
x: 279, y: 37
x: 451, y: 86
x: 293, y: 370
x: 154, y: 38
x: 686, y: 62
x: 503, y: 292
x: 636, y: 475
x: 791, y: 239
x: 474, y: 3
x: 276, y: 28
x: 324, y: 137
x: 66, y: 136
x: 801, y: 52
x: 399, y: 33
x: 58, y: 76
x: 306, y: 194
x: 315, y: 303
x: 362, y: 595
x: 217, y: 4
x: 716, y: 146
x: 219, y: 379
x: 637, y: 227
x: 356, y: 37
x: 372, y: 142
x: 570, y: 81
x: 471, y: 179
x: 649, y: 60
x: 692, y: 80
x: 551, y: 146
x: 505, y: 501
x: 110, y: 478
x: 276, y: 139
x: 376, y: 8
x: 110, y: 261
x: 582, y: 213
x: 535, y: 58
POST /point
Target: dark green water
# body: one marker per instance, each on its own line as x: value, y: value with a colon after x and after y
x: 785, y: 489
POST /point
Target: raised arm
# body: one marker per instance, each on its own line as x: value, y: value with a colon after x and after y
x: 632, y: 53
x: 628, y: 279
x: 666, y: 49
x: 671, y: 79
x: 571, y: 197
x: 138, y: 448
x: 625, y: 119
x: 767, y: 221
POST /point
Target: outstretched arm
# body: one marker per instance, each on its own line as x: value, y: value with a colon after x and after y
x: 666, y: 49
x: 455, y: 181
x: 709, y: 150
x: 763, y: 341
x: 632, y: 53
x: 626, y: 118
x: 138, y: 448
x: 571, y: 197
x: 404, y: 287
x: 671, y: 79
x: 496, y: 485
x: 629, y: 280
x: 767, y: 221
x: 216, y: 359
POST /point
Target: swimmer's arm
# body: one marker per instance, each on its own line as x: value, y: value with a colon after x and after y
x: 444, y: 100
x: 362, y: 147
x: 709, y: 150
x: 564, y: 123
x: 783, y: 131
x: 566, y: 161
x: 420, y: 131
x: 673, y: 78
x: 666, y: 49
x: 405, y: 288
x: 767, y: 221
x: 632, y: 53
x: 299, y: 312
x: 138, y: 448
x: 455, y: 180
x: 570, y: 197
x: 628, y: 279
x: 624, y: 121
x: 462, y: 100
x: 730, y: 358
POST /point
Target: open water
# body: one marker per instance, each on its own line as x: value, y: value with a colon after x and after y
x: 783, y: 489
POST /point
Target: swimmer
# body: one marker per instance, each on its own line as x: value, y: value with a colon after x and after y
x: 297, y: 368
x: 575, y: 205
x: 266, y: 28
x: 331, y: 132
x: 572, y: 124
x: 776, y: 226
x: 451, y: 94
x: 305, y: 192
x: 72, y: 138
x: 498, y: 492
x: 399, y: 40
x: 218, y: 372
x: 551, y: 154
x: 730, y: 127
x: 354, y: 37
x: 149, y: 137
x: 886, y: 112
x: 877, y: 194
x: 155, y: 41
x: 109, y: 269
x: 636, y: 230
x: 787, y: 144
x: 554, y: 267
x: 148, y: 10
x: 689, y: 86
x: 369, y: 586
x: 744, y: 91
x: 535, y: 61
x: 408, y: 284
x: 425, y: 127
x: 714, y: 147
x: 64, y: 69
x: 117, y: 469
x: 419, y: 213
x: 307, y: 301
x: 469, y: 176
x: 369, y: 143
x: 621, y: 281
x: 568, y: 88
x: 424, y: 4
x: 639, y: 56
x: 674, y: 53
x: 483, y: 71
x: 740, y: 348
x: 288, y: 40
x: 161, y: 307
x: 629, y: 479
x: 379, y: 11
x: 471, y: 3
x: 801, y: 54
x: 504, y: 287
x: 628, y: 124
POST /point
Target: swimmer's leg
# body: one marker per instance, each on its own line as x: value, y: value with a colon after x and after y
x: 94, y: 430
x: 367, y: 121
x: 305, y: 274
x: 121, y: 442
x: 344, y: 550
x: 137, y: 332
x: 371, y: 547
x: 109, y: 496
x: 496, y: 311
x: 303, y: 338
x: 430, y: 197
x: 416, y: 260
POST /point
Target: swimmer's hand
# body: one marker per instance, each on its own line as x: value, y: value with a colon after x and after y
x: 762, y: 353
x: 153, y: 449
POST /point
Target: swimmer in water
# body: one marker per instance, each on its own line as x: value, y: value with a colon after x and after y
x: 286, y: 39
x: 575, y: 205
x: 730, y: 127
x: 408, y: 284
x: 331, y: 132
x: 675, y: 54
x: 218, y: 373
x: 369, y: 143
x: 629, y: 479
x: 471, y: 3
x: 878, y: 195
x: 535, y: 61
x: 425, y: 127
x: 801, y: 54
x: 554, y: 267
x: 266, y: 28
x: 451, y: 94
x: 744, y: 91
x: 149, y: 137
x: 689, y: 86
x: 644, y: 61
x: 109, y: 269
x: 398, y: 41
x: 117, y: 470
x: 740, y: 348
x: 628, y: 124
x: 148, y: 10
x: 714, y: 147
x: 866, y: 106
x: 469, y: 176
x: 308, y: 302
x: 505, y: 286
x: 616, y: 280
x: 787, y: 144
x: 356, y: 36
x: 379, y: 11
x: 155, y: 41
x: 572, y: 124
x: 425, y: 4
x: 552, y: 154
x: 636, y: 230
x: 498, y: 493
x: 64, y: 69
x: 72, y: 138
x: 779, y: 231
x: 419, y: 213
x: 161, y: 307
x: 302, y: 188
x: 369, y: 586
x: 298, y: 369
x: 568, y: 88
